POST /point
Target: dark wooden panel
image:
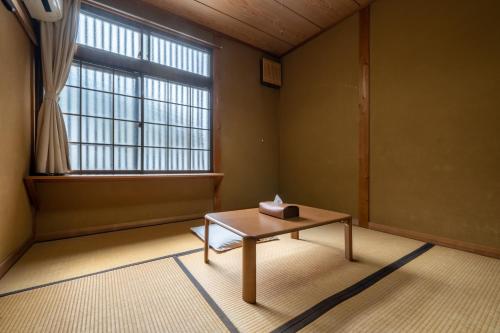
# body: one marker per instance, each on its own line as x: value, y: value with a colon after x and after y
x: 364, y: 117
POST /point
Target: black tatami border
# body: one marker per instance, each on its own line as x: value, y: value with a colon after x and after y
x: 292, y: 325
x: 184, y: 253
x: 310, y: 315
x: 222, y: 316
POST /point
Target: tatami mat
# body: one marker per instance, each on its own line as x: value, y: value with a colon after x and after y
x: 62, y: 259
x: 438, y: 290
x: 444, y: 290
x: 152, y: 297
x: 294, y: 275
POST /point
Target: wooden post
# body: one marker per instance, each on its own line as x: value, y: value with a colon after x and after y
x: 364, y: 117
x: 249, y: 270
x: 206, y: 246
x: 294, y: 235
x: 216, y: 125
x: 348, y: 239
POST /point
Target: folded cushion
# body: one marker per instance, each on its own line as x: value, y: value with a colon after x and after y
x: 221, y: 239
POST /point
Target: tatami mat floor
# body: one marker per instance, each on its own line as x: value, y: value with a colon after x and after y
x: 67, y: 258
x: 154, y: 280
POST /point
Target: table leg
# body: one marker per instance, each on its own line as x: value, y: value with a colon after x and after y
x: 249, y: 270
x: 348, y: 239
x: 207, y: 224
x: 294, y: 235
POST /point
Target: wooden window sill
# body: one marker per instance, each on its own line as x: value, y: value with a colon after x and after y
x: 30, y: 181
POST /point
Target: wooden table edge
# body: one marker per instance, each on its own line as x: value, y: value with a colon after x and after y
x: 348, y: 218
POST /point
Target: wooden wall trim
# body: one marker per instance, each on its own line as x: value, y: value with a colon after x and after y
x: 49, y: 236
x: 438, y: 240
x: 24, y: 19
x: 12, y: 258
x: 364, y: 117
x: 216, y: 121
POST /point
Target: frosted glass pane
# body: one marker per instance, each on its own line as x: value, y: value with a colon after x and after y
x: 200, y: 160
x: 127, y: 133
x: 96, y: 130
x: 96, y: 157
x: 178, y: 115
x: 199, y: 98
x: 127, y: 158
x: 69, y: 100
x: 74, y: 75
x: 106, y: 35
x: 127, y: 85
x: 97, y: 104
x: 178, y: 94
x: 72, y: 124
x: 127, y: 108
x: 178, y: 137
x: 97, y: 78
x: 200, y: 139
x: 196, y: 68
x: 74, y: 156
x: 155, y: 112
x: 155, y: 89
x: 201, y: 118
x: 178, y: 160
x: 155, y: 135
x: 205, y: 71
x: 155, y: 159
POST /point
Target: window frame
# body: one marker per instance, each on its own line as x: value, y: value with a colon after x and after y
x: 143, y: 68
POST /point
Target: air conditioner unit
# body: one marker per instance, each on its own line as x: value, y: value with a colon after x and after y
x: 45, y: 10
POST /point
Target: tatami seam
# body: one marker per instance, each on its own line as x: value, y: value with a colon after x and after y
x: 179, y: 254
x: 313, y: 313
x: 220, y: 313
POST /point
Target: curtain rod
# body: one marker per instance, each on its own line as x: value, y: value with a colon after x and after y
x: 149, y: 23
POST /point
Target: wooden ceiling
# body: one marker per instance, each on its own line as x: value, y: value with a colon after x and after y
x: 275, y: 26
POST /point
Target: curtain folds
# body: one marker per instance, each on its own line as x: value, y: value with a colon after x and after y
x: 58, y: 45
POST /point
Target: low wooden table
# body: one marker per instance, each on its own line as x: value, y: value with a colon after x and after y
x: 252, y: 225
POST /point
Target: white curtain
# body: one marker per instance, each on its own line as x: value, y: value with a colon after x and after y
x: 58, y: 43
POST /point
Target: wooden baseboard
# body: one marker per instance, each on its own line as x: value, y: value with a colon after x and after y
x: 438, y: 240
x: 12, y: 258
x: 113, y: 227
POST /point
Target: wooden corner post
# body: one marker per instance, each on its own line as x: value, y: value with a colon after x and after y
x: 364, y: 117
x: 216, y: 122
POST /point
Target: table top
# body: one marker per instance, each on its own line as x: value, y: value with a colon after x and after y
x: 249, y: 223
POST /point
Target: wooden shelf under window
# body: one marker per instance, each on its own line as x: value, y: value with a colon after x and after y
x: 31, y: 181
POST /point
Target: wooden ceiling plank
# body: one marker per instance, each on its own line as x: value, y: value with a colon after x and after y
x: 363, y: 3
x: 324, y: 13
x: 268, y: 16
x: 206, y: 16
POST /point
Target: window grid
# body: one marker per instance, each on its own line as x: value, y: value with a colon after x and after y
x: 178, y: 140
x: 142, y: 146
x: 125, y: 40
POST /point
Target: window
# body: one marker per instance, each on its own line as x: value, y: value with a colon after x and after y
x: 137, y: 101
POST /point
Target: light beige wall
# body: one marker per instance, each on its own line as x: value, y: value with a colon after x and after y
x: 435, y: 120
x: 250, y: 149
x: 318, y: 121
x: 248, y: 116
x: 435, y: 149
x: 15, y: 127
